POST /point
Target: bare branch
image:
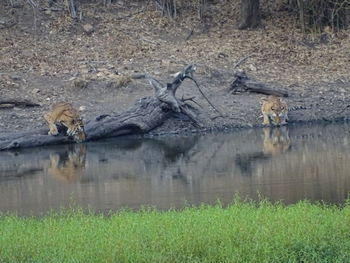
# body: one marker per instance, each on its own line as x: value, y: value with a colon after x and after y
x: 242, y: 60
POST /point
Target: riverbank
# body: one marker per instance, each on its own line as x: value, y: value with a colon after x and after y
x: 242, y: 232
x: 48, y: 57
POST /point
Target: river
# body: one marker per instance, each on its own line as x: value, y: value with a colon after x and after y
x: 285, y: 164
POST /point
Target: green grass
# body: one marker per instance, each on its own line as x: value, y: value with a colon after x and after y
x: 243, y: 232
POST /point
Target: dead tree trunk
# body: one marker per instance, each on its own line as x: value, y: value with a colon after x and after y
x: 242, y: 83
x: 301, y: 14
x: 201, y: 9
x: 147, y: 114
x: 250, y: 16
x: 168, y: 7
x: 72, y: 8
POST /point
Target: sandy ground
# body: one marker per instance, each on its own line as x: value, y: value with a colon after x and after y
x: 48, y: 57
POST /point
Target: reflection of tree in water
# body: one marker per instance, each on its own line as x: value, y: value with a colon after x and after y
x: 164, y: 154
x: 174, y: 149
x: 276, y: 142
x: 188, y: 159
x: 245, y: 162
x: 69, y: 163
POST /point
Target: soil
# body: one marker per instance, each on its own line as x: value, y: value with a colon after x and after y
x: 47, y: 57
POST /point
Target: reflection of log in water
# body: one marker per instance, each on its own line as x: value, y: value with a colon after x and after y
x: 160, y: 155
x: 14, y: 165
x: 20, y: 172
x: 245, y: 162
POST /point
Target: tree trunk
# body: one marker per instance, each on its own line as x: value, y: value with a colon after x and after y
x: 250, y: 17
x: 301, y: 15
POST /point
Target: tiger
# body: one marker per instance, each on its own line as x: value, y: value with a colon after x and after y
x: 65, y: 114
x: 274, y: 110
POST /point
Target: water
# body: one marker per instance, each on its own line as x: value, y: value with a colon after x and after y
x: 287, y: 164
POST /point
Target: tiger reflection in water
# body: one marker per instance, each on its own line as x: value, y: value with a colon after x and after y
x: 68, y: 166
x: 276, y: 140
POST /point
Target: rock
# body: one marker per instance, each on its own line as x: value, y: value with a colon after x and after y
x: 80, y: 83
x: 252, y: 67
x: 222, y: 55
x: 88, y: 28
x: 121, y: 81
x: 35, y: 91
x: 85, y: 71
x: 15, y: 77
x: 82, y: 108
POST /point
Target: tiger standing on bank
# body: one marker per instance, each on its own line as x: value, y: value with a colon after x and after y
x: 274, y: 110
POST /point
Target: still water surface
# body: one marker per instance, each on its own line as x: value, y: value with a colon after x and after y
x: 288, y: 164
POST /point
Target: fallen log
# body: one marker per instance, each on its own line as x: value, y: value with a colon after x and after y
x: 242, y: 83
x: 147, y: 114
x: 10, y: 103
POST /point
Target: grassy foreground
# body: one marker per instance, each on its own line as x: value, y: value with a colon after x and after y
x: 242, y: 232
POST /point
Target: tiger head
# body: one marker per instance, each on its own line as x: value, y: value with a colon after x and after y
x: 75, y: 128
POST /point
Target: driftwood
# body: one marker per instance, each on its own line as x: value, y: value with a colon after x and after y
x: 17, y: 103
x: 242, y: 83
x: 147, y: 114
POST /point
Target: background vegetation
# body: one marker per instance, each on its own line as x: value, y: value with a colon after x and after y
x: 314, y: 14
x: 242, y: 232
x: 321, y: 14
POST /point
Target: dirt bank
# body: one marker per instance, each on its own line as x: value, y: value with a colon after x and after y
x: 47, y: 57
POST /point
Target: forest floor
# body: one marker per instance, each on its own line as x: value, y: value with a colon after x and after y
x: 47, y: 57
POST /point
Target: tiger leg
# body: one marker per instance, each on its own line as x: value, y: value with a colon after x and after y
x: 52, y: 126
x: 266, y: 119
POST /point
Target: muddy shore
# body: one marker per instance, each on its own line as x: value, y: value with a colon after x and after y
x: 58, y: 60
